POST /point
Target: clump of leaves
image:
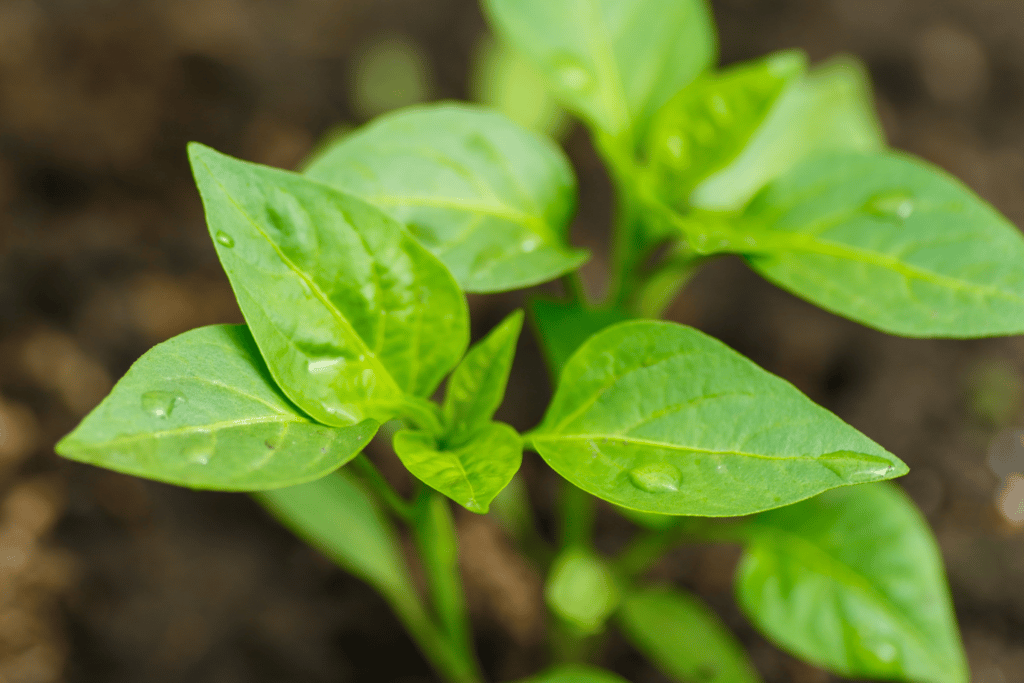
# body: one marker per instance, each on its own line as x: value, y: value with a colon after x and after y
x: 351, y: 278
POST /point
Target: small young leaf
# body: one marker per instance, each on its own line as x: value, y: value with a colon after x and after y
x: 477, y: 386
x: 831, y: 108
x: 489, y: 198
x: 582, y: 590
x: 891, y: 242
x: 612, y: 62
x: 852, y: 580
x: 471, y: 472
x: 563, y: 326
x: 684, y: 638
x: 335, y: 515
x: 708, y: 124
x: 349, y: 311
x: 575, y: 673
x: 659, y: 417
x: 201, y: 410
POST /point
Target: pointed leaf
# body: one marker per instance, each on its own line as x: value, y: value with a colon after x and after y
x: 705, y: 126
x: 489, y: 198
x: 659, y: 417
x: 575, y: 673
x: 477, y: 387
x: 338, y: 517
x: 612, y: 62
x: 347, y: 308
x: 852, y: 580
x: 891, y: 242
x: 201, y: 410
x: 471, y: 472
x: 684, y: 638
x: 830, y: 108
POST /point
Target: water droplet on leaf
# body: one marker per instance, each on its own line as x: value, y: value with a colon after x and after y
x: 225, y: 239
x: 893, y: 205
x: 161, y: 403
x: 657, y: 477
x: 199, y: 454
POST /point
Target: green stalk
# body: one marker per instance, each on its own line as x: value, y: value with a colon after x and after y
x: 578, y: 510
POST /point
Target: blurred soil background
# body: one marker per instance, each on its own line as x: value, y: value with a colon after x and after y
x: 103, y: 253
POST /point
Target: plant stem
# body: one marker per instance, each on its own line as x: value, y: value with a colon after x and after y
x: 439, y: 650
x: 434, y: 534
x: 577, y: 512
x: 398, y: 505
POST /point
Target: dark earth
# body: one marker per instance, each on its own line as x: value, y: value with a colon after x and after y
x: 103, y: 253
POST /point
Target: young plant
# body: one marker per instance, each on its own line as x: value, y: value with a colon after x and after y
x: 351, y: 278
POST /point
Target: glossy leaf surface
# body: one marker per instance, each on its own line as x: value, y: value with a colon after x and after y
x: 347, y: 308
x: 684, y: 638
x: 659, y: 417
x: 612, y: 62
x: 563, y: 326
x: 201, y: 410
x: 338, y: 517
x: 708, y: 124
x: 489, y: 198
x: 581, y: 589
x: 891, y: 242
x: 477, y: 386
x: 830, y: 108
x: 472, y: 471
x: 575, y: 673
x: 853, y: 580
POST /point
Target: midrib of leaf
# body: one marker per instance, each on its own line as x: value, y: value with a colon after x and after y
x: 600, y: 43
x: 302, y: 276
x: 211, y: 428
x: 852, y: 253
x: 840, y: 569
x: 672, y: 447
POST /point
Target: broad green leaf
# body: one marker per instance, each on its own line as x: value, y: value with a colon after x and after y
x: 684, y: 638
x: 349, y: 311
x: 891, y: 242
x: 489, y: 198
x: 708, y: 124
x: 852, y: 580
x: 563, y: 326
x: 477, y: 386
x: 338, y: 517
x: 831, y: 108
x: 612, y: 62
x: 575, y: 673
x: 503, y: 80
x: 471, y: 471
x: 659, y: 417
x: 581, y: 589
x: 201, y: 410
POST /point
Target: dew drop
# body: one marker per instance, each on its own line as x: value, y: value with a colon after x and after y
x: 893, y: 205
x: 658, y: 477
x: 572, y: 75
x: 161, y: 403
x: 225, y: 239
x: 198, y: 454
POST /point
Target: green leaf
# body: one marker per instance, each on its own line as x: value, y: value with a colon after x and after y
x: 659, y: 417
x: 581, y: 589
x: 477, y: 387
x: 472, y: 471
x: 684, y: 638
x: 831, y: 108
x: 489, y: 198
x: 891, y: 242
x: 708, y: 124
x: 562, y: 326
x: 201, y: 410
x: 338, y: 517
x: 612, y: 62
x: 852, y: 580
x: 575, y: 673
x: 349, y: 311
